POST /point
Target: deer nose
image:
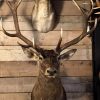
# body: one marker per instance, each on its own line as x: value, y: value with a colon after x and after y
x: 52, y: 71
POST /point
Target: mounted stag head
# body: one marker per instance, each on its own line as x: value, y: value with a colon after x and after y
x: 43, y: 17
x: 48, y: 85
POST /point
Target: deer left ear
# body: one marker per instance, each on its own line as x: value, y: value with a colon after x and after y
x: 67, y: 55
x: 28, y: 51
x: 31, y: 53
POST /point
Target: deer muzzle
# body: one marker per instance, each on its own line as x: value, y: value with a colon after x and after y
x: 51, y: 72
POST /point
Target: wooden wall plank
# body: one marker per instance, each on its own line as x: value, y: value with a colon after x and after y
x: 79, y: 96
x: 17, y: 71
x: 61, y: 7
x: 68, y: 68
x: 26, y: 84
x: 63, y: 19
x: 15, y: 96
x: 27, y: 96
x: 15, y: 53
x: 27, y: 26
x: 42, y: 39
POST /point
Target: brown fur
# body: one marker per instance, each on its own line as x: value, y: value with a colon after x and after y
x: 48, y: 85
x: 48, y: 89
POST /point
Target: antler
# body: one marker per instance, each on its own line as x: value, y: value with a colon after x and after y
x: 13, y: 7
x: 87, y: 17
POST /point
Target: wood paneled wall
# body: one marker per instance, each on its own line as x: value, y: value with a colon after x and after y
x: 18, y: 73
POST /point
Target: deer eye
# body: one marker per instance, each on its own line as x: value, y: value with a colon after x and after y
x: 55, y: 71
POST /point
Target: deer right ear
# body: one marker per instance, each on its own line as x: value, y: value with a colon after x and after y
x: 67, y: 55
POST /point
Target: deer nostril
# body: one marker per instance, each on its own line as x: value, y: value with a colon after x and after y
x: 55, y: 71
x: 48, y: 71
x: 51, y: 72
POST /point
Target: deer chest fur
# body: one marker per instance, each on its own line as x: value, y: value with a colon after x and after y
x: 50, y: 90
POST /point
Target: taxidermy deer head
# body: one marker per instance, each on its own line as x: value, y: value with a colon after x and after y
x: 43, y: 18
x: 48, y: 85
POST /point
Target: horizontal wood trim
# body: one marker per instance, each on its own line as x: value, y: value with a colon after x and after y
x: 61, y: 19
x: 61, y: 8
x: 15, y: 96
x: 28, y: 27
x: 26, y: 84
x: 27, y: 96
x: 80, y: 96
x: 68, y: 68
x: 15, y: 53
x: 44, y: 39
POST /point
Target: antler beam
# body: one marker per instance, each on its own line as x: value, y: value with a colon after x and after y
x: 87, y: 18
x: 13, y: 6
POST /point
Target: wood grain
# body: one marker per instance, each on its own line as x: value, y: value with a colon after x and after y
x: 15, y: 96
x: 25, y: 68
x: 26, y: 84
x: 42, y: 39
x: 18, y: 73
x: 61, y: 19
x: 27, y: 96
x: 15, y: 53
x: 27, y: 26
x: 61, y: 8
x: 79, y: 96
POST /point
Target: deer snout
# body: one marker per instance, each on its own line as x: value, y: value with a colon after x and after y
x: 51, y: 72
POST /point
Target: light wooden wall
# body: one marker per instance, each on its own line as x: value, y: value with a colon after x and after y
x: 18, y: 73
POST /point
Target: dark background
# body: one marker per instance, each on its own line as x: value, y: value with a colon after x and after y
x: 96, y: 63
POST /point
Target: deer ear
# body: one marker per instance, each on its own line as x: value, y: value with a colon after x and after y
x: 67, y: 55
x: 28, y: 51
x: 31, y: 52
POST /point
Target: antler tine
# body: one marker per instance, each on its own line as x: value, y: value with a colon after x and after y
x: 83, y: 9
x: 4, y: 31
x: 92, y: 9
x: 18, y: 33
x: 84, y: 33
x: 79, y: 7
x: 15, y: 6
x: 59, y: 44
x: 76, y: 40
x: 18, y: 3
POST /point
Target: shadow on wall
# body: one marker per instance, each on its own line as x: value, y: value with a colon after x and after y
x: 78, y: 90
x: 77, y: 87
x: 57, y: 9
x: 1, y: 3
x: 57, y: 6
